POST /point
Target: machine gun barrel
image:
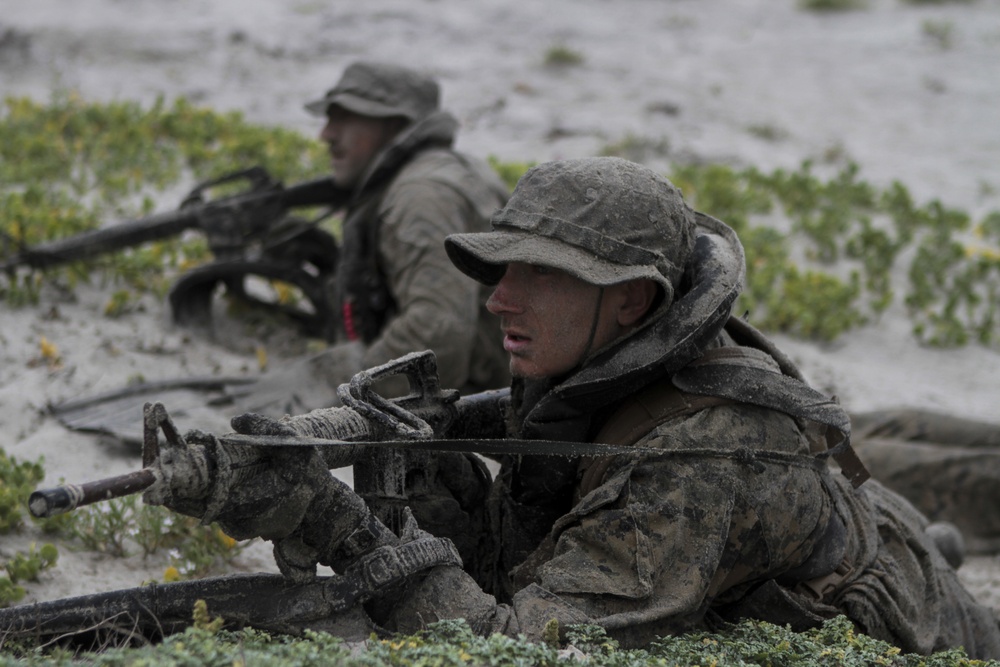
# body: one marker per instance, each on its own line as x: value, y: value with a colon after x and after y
x: 243, y: 215
x: 96, y: 242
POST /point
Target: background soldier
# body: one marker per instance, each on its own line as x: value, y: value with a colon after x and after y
x: 395, y: 290
x: 614, y: 301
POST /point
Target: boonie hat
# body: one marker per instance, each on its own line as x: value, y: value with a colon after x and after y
x: 381, y: 90
x: 604, y: 220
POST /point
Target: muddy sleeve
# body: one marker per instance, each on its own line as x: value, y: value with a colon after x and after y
x: 660, y: 540
x: 642, y: 553
x: 607, y: 565
x: 437, y: 306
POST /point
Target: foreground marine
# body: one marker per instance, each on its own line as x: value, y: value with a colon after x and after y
x: 614, y: 298
x: 713, y: 499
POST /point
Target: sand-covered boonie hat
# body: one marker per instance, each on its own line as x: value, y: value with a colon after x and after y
x: 381, y: 90
x: 603, y: 220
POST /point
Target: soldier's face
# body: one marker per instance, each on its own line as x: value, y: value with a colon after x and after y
x: 353, y: 141
x: 547, y: 315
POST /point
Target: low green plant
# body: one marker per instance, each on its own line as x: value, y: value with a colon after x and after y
x: 104, y: 526
x: 834, y: 267
x: 119, y: 525
x: 10, y: 592
x: 25, y: 566
x: 767, y: 132
x: 445, y: 643
x: 17, y: 480
x: 940, y: 33
x: 509, y: 172
x: 68, y: 166
x: 637, y: 148
x: 560, y: 55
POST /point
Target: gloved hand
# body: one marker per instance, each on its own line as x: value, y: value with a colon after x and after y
x: 273, y: 502
x: 254, y: 424
x: 251, y: 491
x: 330, y: 423
x: 316, y: 516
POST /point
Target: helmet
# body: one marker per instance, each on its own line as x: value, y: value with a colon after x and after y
x: 381, y: 90
x: 604, y: 220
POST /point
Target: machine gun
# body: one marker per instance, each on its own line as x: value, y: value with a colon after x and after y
x: 374, y: 434
x: 249, y: 234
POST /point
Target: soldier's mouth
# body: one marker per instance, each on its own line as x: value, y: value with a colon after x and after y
x: 515, y: 343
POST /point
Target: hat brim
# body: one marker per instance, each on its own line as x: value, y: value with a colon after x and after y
x: 354, y: 104
x: 484, y: 257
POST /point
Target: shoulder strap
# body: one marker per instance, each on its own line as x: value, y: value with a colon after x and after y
x: 750, y: 375
x: 639, y: 414
x: 359, y: 290
x: 650, y: 407
x: 721, y: 376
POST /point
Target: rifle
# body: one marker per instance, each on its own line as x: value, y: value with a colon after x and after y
x: 366, y: 421
x: 249, y: 233
x: 204, y: 470
x: 385, y: 439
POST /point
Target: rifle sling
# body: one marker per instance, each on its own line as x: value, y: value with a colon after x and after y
x: 485, y: 446
x: 516, y: 447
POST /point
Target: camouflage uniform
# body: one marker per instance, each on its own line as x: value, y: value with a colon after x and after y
x: 948, y: 467
x: 740, y: 516
x: 735, y: 512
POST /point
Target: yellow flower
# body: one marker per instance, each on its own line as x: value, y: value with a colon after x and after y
x: 228, y: 542
x: 171, y: 574
x: 986, y: 252
x: 49, y: 350
x: 283, y: 291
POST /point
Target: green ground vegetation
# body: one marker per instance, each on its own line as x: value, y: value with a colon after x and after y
x: 824, y: 254
x: 452, y: 643
x: 69, y: 166
x: 120, y: 527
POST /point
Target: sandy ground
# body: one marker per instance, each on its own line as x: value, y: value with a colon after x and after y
x: 697, y: 80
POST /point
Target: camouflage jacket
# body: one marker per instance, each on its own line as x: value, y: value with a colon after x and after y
x: 738, y: 514
x: 395, y: 288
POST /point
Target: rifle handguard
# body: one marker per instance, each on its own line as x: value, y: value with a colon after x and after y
x: 333, y: 424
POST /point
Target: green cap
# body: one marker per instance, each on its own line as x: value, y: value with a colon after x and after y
x: 604, y: 220
x: 381, y: 90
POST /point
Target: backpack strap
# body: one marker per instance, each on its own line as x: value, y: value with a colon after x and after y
x: 723, y: 376
x: 749, y: 375
x: 639, y: 414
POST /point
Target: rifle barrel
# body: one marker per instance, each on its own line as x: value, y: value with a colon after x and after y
x: 45, y: 503
x: 96, y: 242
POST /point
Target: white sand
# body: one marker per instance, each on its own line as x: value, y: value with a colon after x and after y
x: 694, y: 76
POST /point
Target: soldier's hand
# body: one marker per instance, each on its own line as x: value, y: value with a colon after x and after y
x: 273, y: 502
x: 251, y: 423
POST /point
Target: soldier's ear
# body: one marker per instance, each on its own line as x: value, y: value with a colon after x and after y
x: 639, y: 296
